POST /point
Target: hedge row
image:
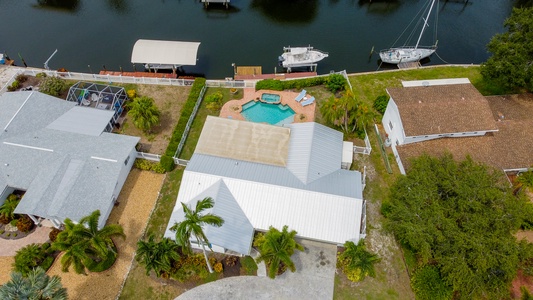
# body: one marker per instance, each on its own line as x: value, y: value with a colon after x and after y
x: 279, y: 85
x: 167, y: 162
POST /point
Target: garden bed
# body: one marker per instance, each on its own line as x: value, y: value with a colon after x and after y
x: 10, y: 232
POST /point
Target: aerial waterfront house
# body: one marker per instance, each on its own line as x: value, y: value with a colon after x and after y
x: 61, y: 155
x: 450, y: 115
x: 261, y: 175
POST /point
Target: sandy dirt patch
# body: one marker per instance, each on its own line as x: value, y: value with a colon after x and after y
x: 169, y: 100
x: 136, y: 200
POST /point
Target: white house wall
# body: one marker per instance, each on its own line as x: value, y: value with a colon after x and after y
x: 124, y: 172
x: 392, y: 117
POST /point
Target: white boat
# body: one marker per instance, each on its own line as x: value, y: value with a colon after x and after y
x: 300, y: 57
x: 410, y: 53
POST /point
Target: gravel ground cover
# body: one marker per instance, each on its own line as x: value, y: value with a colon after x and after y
x: 136, y: 201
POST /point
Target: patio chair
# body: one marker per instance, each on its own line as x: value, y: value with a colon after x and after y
x: 308, y: 101
x: 300, y: 96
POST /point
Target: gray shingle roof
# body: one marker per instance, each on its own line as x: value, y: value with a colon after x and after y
x: 65, y: 174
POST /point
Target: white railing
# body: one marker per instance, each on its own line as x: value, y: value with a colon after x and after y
x: 231, y: 83
x: 189, y: 122
x: 367, y: 149
x: 149, y: 156
x: 363, y: 180
x: 109, y: 78
x: 180, y: 162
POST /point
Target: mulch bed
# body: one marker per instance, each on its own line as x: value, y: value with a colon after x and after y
x: 7, y: 232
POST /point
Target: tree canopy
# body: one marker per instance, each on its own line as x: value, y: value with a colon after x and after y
x: 511, y: 64
x: 459, y: 217
x: 144, y: 113
x: 347, y: 112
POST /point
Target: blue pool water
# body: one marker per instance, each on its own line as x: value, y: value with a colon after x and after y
x: 270, y: 98
x: 275, y: 114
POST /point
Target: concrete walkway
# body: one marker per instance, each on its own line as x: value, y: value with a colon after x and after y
x: 10, y: 247
x: 313, y: 279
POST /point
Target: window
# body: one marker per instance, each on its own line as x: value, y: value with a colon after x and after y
x: 126, y: 161
x: 390, y: 125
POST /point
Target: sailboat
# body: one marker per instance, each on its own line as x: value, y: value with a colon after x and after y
x: 409, y: 53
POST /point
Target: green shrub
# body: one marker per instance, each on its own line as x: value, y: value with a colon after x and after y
x: 21, y: 78
x: 4, y: 219
x: 214, y: 101
x: 428, y: 284
x: 167, y: 163
x: 335, y: 83
x: 2, y: 231
x: 356, y: 262
x: 270, y: 84
x: 14, y: 222
x: 15, y: 84
x: 53, y: 234
x: 146, y: 165
x: 280, y: 85
x: 24, y: 224
x: 526, y: 179
x: 380, y: 103
x: 186, y: 111
x: 103, y: 265
x: 52, y: 86
x: 41, y: 75
x: 33, y: 256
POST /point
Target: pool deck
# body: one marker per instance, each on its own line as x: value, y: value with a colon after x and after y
x: 232, y: 109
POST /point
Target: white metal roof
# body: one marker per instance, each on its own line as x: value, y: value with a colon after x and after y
x: 314, y: 215
x: 164, y: 52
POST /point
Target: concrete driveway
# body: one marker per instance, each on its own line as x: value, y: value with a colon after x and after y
x: 313, y: 279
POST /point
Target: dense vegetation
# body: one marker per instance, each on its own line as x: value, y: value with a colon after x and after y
x: 333, y: 82
x: 356, y: 262
x: 459, y: 218
x: 35, y: 286
x: 511, y: 64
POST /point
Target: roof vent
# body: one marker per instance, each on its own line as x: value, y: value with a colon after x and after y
x: 420, y: 101
x: 425, y: 83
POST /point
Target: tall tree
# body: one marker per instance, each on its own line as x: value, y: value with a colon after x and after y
x: 276, y: 248
x: 459, y: 217
x: 84, y: 244
x: 144, y: 113
x: 511, y: 63
x: 157, y: 256
x: 346, y: 112
x: 37, y: 286
x: 192, y: 226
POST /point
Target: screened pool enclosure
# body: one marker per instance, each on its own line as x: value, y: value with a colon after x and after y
x: 99, y: 96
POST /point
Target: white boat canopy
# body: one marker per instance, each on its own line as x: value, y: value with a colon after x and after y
x: 165, y: 52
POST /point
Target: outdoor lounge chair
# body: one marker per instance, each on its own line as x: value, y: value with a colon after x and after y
x: 308, y: 101
x: 300, y: 96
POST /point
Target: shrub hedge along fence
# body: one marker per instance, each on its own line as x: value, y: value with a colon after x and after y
x: 167, y: 160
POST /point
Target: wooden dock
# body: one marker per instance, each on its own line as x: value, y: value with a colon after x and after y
x: 248, y: 70
x: 139, y: 74
x: 409, y: 65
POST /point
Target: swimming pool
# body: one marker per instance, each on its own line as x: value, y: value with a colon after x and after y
x: 275, y: 114
x: 270, y: 98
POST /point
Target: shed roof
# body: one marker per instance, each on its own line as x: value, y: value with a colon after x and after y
x: 164, y: 52
x: 440, y: 109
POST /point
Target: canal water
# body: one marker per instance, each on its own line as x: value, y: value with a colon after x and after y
x: 90, y: 34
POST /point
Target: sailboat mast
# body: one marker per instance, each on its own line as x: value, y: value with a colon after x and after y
x: 425, y: 24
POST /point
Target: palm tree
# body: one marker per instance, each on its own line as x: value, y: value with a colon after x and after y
x: 276, y: 248
x: 356, y: 259
x: 144, y: 113
x: 192, y: 226
x: 37, y: 286
x: 8, y: 208
x: 84, y: 243
x: 157, y: 256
